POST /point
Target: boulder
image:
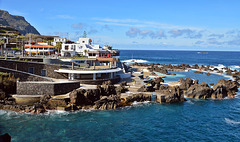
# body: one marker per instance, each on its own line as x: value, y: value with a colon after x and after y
x: 211, y: 84
x: 199, y: 91
x: 145, y: 88
x: 54, y: 103
x: 123, y: 84
x: 220, y: 92
x: 107, y: 88
x: 175, y: 95
x: 91, y: 96
x: 160, y: 70
x: 195, y: 66
x: 158, y: 80
x: 186, y: 83
x: 44, y: 99
x: 138, y: 98
x: 38, y: 108
x: 196, y: 81
x: 108, y: 102
x: 2, y: 95
x: 121, y: 88
x: 198, y: 72
x: 5, y: 138
x: 231, y: 87
x: 172, y: 94
x: 77, y: 97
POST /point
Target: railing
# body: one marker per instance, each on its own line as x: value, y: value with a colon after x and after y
x: 99, y: 81
x: 85, y: 69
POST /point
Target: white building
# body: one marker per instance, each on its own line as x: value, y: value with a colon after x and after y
x: 40, y: 48
x: 84, y: 47
x: 5, y: 41
x: 58, y: 39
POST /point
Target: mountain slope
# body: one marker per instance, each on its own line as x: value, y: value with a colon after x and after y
x: 17, y: 22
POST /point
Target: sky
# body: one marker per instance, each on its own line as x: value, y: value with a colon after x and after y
x: 203, y: 25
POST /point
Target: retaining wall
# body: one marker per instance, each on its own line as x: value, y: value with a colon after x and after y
x: 24, y: 65
x: 46, y: 88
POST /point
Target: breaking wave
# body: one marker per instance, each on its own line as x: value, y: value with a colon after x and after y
x: 229, y: 121
x: 135, y: 61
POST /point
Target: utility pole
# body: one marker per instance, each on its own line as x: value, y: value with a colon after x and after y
x: 30, y: 45
x: 22, y: 47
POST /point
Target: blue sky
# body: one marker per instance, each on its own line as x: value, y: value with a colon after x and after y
x: 137, y: 24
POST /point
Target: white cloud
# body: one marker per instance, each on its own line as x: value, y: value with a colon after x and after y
x: 185, y: 32
x: 134, y: 32
x: 139, y: 23
x: 65, y: 16
x: 79, y: 26
x: 217, y: 35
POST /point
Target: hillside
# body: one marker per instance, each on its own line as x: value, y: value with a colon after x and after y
x: 17, y: 22
x: 8, y: 31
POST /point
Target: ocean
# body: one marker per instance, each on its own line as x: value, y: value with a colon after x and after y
x: 193, y: 120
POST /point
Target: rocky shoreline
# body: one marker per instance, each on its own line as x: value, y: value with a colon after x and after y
x: 109, y: 96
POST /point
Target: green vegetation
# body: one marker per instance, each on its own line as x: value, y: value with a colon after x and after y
x: 16, y: 49
x: 4, y: 74
x: 58, y: 46
x: 8, y: 31
x: 7, y: 84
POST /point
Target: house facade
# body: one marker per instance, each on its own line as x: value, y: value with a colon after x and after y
x: 84, y: 47
x: 58, y: 39
x: 40, y: 48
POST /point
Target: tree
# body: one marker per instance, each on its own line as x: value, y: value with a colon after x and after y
x: 85, y: 51
x: 58, y: 46
x: 84, y: 34
x: 21, y: 40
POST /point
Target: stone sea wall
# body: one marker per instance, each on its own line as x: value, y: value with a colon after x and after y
x: 45, y: 88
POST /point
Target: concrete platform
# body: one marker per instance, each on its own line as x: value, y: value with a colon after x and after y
x: 27, y: 99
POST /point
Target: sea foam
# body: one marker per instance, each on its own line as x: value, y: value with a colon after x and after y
x: 135, y: 60
x: 229, y: 121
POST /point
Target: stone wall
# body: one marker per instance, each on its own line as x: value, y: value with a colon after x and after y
x: 24, y: 76
x: 24, y: 65
x: 46, y: 88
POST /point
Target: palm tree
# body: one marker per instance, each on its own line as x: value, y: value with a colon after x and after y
x: 85, y: 51
x: 58, y: 46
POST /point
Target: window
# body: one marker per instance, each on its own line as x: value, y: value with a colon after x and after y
x: 43, y: 72
x: 31, y: 70
x: 66, y: 47
x: 83, y: 41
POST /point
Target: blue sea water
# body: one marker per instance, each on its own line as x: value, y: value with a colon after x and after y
x: 193, y: 120
x: 213, y: 78
x: 226, y: 58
